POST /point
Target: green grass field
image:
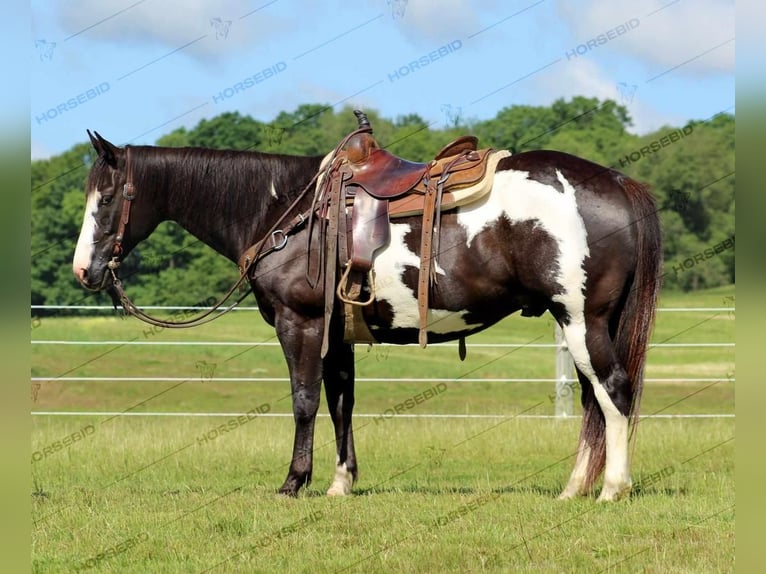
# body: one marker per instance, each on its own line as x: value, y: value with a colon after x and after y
x: 150, y: 494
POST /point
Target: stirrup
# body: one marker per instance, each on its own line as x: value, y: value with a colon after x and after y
x: 343, y: 294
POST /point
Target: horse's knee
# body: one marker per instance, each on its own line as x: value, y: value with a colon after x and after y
x: 305, y: 406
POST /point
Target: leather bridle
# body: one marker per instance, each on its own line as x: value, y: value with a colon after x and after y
x: 128, y: 195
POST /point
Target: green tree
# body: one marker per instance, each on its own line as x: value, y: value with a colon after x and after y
x: 692, y: 178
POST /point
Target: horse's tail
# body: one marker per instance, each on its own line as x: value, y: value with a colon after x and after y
x: 635, y: 319
x: 637, y: 316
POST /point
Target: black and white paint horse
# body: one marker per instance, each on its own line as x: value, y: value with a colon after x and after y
x: 556, y: 233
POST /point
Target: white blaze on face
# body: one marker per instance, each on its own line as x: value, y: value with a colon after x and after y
x: 84, y: 251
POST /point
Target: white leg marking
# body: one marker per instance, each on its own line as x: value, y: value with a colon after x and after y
x: 341, y: 484
x: 575, y: 485
x: 617, y: 481
x: 84, y: 250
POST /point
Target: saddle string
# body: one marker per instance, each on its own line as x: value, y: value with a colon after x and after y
x: 436, y: 243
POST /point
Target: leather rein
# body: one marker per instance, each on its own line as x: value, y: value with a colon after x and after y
x: 254, y: 254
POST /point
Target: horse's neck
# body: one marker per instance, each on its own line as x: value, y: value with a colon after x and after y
x: 229, y: 216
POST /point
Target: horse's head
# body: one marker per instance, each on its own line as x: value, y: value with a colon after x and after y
x: 103, y: 242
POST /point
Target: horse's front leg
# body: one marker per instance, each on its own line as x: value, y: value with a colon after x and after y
x: 301, y: 341
x: 339, y: 390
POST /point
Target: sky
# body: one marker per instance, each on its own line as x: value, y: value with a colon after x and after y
x: 135, y: 70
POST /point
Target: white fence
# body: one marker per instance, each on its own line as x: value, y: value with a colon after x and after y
x: 563, y: 381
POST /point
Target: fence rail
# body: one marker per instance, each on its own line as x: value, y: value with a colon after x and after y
x: 255, y: 308
x: 358, y: 379
x: 359, y: 415
x: 276, y: 344
x: 562, y: 382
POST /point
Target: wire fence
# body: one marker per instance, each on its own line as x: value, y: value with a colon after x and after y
x: 108, y: 378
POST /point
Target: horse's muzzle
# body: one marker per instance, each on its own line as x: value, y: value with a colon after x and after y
x: 92, y: 282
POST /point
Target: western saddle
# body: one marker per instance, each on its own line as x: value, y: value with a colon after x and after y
x: 362, y: 187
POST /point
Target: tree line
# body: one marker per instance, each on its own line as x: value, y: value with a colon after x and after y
x: 690, y: 169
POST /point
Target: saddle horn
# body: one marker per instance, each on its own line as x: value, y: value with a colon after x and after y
x: 362, y: 120
x: 360, y: 145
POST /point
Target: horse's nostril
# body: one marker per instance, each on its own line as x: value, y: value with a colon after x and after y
x: 82, y: 274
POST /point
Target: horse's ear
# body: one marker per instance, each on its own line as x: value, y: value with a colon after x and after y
x: 93, y: 141
x: 104, y: 148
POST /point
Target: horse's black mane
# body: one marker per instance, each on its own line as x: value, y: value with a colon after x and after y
x: 210, y: 188
x: 236, y: 183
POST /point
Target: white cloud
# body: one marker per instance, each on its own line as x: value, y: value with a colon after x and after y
x: 427, y: 22
x: 584, y: 78
x: 39, y: 151
x: 170, y: 23
x: 664, y: 37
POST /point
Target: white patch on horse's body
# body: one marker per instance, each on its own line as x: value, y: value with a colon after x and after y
x: 84, y: 251
x: 520, y: 199
x: 390, y: 263
x: 341, y: 484
x: 273, y: 191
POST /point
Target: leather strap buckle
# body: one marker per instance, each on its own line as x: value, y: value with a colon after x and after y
x: 282, y: 241
x: 129, y: 191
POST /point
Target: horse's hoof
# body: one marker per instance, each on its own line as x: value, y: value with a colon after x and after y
x: 614, y: 494
x: 341, y: 484
x: 568, y: 495
x: 336, y: 490
x: 288, y: 490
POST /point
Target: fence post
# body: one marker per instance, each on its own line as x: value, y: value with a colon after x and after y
x: 564, y: 403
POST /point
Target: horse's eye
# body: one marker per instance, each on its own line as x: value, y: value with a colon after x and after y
x: 106, y: 200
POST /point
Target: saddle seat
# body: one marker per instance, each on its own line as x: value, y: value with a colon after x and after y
x: 386, y: 176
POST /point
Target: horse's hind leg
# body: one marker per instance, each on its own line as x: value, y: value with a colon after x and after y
x: 339, y: 390
x: 606, y: 406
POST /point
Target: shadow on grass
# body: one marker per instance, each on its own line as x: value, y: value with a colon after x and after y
x: 642, y: 492
x: 551, y: 492
x: 468, y: 490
